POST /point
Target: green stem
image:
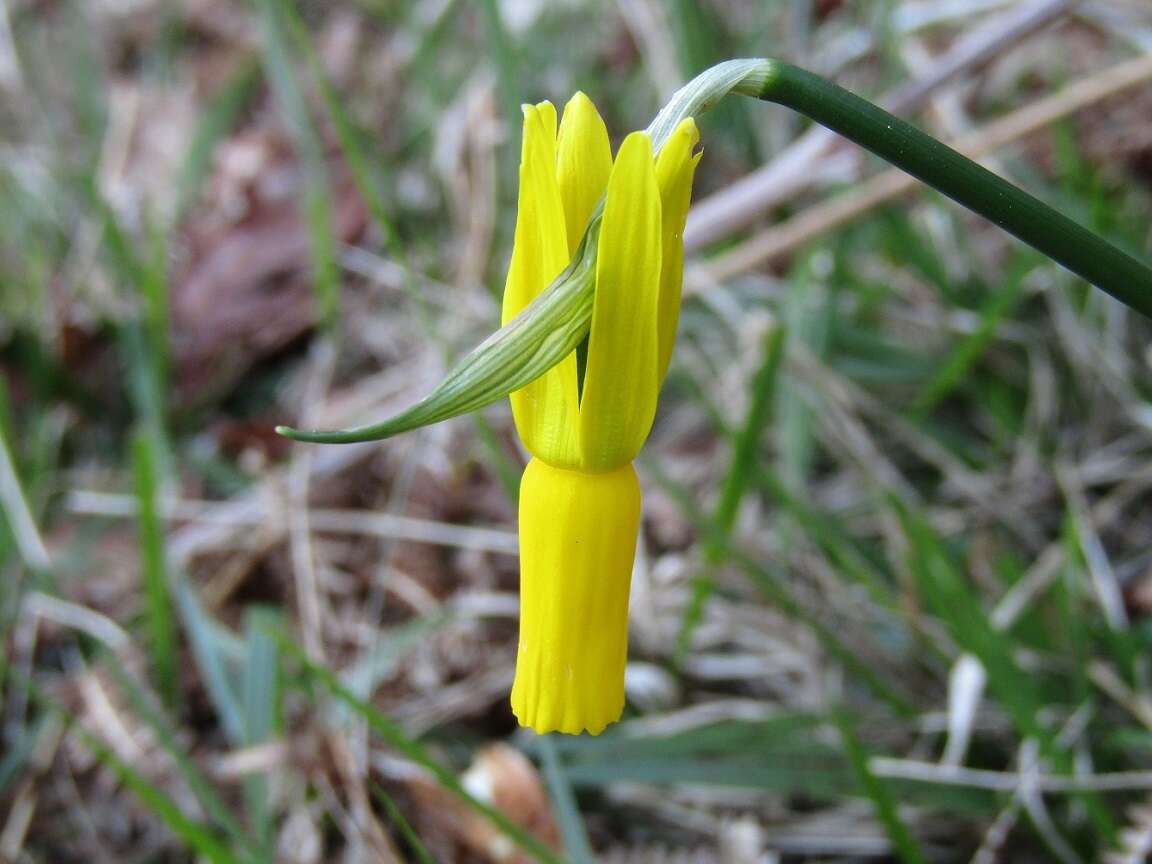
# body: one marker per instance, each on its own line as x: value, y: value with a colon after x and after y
x: 1084, y: 253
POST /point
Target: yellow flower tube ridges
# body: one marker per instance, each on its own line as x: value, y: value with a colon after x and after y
x: 580, y: 497
x: 577, y: 540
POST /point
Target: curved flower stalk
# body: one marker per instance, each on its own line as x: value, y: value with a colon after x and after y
x: 585, y: 419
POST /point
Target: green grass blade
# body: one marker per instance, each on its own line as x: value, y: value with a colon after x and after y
x: 808, y: 312
x: 423, y: 856
x: 564, y: 802
x: 161, y: 627
x: 951, y: 598
x: 261, y: 706
x: 155, y: 313
x: 745, y: 454
x: 953, y: 601
x: 219, y: 118
x: 212, y: 650
x: 143, y: 337
x: 775, y: 589
x: 829, y: 535
x: 747, y: 444
x: 196, y: 836
x: 905, y: 844
x: 316, y: 208
x: 702, y: 40
x: 15, y: 509
x: 960, y: 360
x: 393, y: 645
x: 14, y: 760
x: 505, y: 59
x: 208, y: 798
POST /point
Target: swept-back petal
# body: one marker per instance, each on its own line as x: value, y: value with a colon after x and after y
x: 675, y: 167
x: 620, y: 379
x: 545, y: 410
x: 540, y: 248
x: 583, y: 163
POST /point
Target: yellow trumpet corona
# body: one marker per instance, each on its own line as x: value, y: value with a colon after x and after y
x: 579, y: 497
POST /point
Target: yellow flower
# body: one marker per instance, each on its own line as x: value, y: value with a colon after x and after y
x: 586, y: 418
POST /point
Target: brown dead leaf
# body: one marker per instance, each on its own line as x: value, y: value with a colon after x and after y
x: 245, y: 292
x: 501, y: 776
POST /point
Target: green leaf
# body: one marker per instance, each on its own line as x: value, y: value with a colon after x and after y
x: 261, y: 707
x: 208, y: 798
x: 402, y: 825
x: 218, y: 655
x: 902, y: 839
x: 745, y: 456
x: 567, y: 812
x: 157, y: 594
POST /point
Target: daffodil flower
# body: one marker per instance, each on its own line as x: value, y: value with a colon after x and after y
x: 585, y: 419
x: 589, y: 317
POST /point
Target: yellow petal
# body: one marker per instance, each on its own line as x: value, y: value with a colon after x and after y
x: 620, y: 379
x: 545, y: 410
x: 584, y: 161
x: 577, y: 544
x: 675, y: 167
x: 538, y: 253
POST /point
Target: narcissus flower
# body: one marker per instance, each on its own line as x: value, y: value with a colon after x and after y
x: 586, y: 418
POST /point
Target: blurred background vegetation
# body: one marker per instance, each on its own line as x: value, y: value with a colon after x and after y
x: 893, y: 594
